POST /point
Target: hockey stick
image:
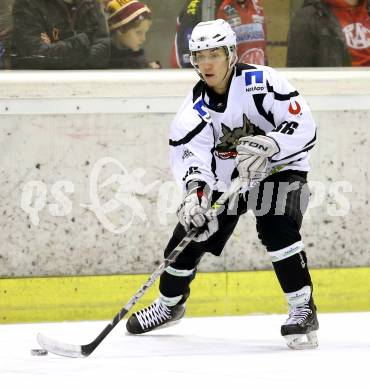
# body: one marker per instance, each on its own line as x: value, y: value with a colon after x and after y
x: 71, y: 350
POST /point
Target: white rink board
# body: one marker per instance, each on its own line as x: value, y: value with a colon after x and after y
x: 58, y: 127
x: 200, y: 353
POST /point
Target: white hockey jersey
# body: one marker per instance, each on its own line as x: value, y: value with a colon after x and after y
x: 206, y: 130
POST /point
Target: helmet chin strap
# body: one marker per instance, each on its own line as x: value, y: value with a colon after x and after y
x: 228, y: 73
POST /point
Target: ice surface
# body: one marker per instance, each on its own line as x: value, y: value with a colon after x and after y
x: 199, y: 353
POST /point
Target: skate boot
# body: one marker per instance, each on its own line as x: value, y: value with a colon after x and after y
x: 302, y: 323
x: 157, y: 315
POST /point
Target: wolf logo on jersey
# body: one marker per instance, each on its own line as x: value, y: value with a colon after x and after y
x: 210, y: 131
x: 229, y: 139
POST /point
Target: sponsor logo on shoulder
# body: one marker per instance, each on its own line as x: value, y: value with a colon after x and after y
x: 252, y: 79
x: 294, y: 108
x: 255, y: 89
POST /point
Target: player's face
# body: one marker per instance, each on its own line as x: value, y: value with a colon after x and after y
x: 214, y: 65
x: 135, y: 37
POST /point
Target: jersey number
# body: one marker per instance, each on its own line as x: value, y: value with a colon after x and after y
x: 286, y: 127
x: 191, y: 171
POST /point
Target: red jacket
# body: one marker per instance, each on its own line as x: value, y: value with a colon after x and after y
x: 245, y: 17
x: 355, y: 24
x: 248, y: 21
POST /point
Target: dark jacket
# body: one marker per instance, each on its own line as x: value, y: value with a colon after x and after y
x: 78, y: 35
x: 316, y: 38
x: 5, y: 28
x: 127, y: 59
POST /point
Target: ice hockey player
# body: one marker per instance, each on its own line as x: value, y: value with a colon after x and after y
x: 247, y: 121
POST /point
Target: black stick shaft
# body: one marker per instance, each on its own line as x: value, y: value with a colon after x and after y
x: 89, y: 348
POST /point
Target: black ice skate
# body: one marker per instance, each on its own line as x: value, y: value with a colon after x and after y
x: 302, y: 321
x: 155, y: 316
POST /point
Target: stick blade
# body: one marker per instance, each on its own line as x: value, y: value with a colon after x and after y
x: 58, y: 348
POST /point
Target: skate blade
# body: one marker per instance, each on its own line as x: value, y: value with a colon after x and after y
x: 168, y: 324
x: 296, y: 341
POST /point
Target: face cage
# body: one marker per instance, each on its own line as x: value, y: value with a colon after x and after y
x: 230, y: 52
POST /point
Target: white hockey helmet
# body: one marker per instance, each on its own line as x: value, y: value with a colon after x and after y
x: 210, y: 35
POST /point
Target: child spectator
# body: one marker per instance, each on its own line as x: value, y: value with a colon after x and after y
x: 129, y: 22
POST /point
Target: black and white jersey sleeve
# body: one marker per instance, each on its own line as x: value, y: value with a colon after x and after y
x: 294, y: 128
x: 258, y: 101
x: 191, y: 147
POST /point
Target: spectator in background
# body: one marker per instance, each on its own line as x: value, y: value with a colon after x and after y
x: 330, y: 33
x: 129, y: 22
x: 190, y: 16
x: 59, y: 34
x: 246, y: 18
x: 5, y: 29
